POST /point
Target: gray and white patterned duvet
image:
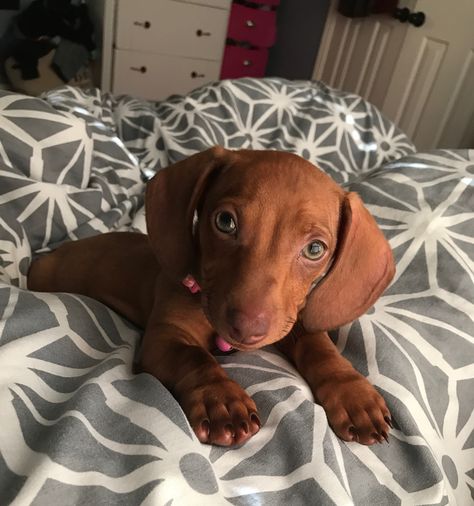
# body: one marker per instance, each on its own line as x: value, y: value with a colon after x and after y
x: 77, y: 427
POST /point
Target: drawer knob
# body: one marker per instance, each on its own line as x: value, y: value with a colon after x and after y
x: 141, y: 69
x: 144, y: 24
x: 200, y: 33
x: 247, y: 63
x: 195, y: 75
x: 250, y: 23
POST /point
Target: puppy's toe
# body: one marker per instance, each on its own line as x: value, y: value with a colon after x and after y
x: 203, y: 430
x: 222, y: 431
x: 380, y: 421
x: 341, y: 423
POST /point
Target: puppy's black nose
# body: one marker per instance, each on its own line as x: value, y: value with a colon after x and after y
x: 247, y: 326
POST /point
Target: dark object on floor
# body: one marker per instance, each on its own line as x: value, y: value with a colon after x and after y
x: 52, y: 31
x: 27, y: 54
x: 51, y: 18
x: 69, y: 58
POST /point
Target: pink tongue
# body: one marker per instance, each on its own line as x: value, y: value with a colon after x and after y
x: 222, y: 344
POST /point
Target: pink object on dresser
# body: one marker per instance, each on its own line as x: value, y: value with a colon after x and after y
x: 239, y: 61
x: 255, y: 26
x: 251, y: 31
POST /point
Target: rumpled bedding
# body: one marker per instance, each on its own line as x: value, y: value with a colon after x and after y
x: 78, y: 428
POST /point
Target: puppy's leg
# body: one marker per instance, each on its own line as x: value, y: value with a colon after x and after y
x: 218, y: 409
x: 355, y: 410
x: 117, y: 268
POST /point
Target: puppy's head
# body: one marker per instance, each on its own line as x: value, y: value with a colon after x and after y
x: 270, y: 239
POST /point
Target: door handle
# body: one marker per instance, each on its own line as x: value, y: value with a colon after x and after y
x: 415, y: 18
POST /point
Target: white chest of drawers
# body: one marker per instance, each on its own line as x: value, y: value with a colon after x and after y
x: 156, y: 48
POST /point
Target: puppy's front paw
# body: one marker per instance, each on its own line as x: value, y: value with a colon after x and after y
x: 355, y: 410
x: 221, y: 413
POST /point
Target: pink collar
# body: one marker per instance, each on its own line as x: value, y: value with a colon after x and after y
x: 193, y: 286
x: 190, y: 283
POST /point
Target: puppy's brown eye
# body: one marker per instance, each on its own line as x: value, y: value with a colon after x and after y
x: 314, y: 250
x: 225, y: 222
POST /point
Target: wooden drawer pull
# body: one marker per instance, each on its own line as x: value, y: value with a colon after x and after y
x: 195, y: 75
x: 141, y: 69
x: 200, y: 33
x: 144, y: 24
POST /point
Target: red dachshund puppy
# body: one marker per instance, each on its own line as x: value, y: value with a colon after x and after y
x: 256, y: 248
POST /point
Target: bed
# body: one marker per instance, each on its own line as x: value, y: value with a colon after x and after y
x: 77, y: 427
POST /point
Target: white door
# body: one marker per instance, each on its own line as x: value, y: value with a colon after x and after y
x: 420, y: 77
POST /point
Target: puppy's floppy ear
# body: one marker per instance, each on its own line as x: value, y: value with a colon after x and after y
x: 172, y: 196
x: 362, y: 268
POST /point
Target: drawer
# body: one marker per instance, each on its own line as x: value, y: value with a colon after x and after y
x: 240, y: 62
x: 220, y: 4
x: 171, y: 27
x: 155, y: 77
x: 252, y: 25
